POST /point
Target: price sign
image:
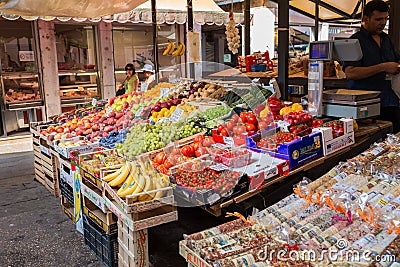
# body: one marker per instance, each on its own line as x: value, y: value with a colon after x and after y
x: 94, y: 101
x: 162, y: 120
x: 228, y: 141
x: 176, y: 115
x: 284, y: 125
x: 218, y: 167
x: 220, y: 146
x: 139, y: 112
x: 108, y: 111
x: 164, y: 92
x: 143, y: 87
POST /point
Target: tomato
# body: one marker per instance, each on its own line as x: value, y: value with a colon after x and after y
x: 224, y: 132
x: 250, y: 127
x: 168, y: 164
x: 230, y: 125
x: 251, y: 119
x: 243, y: 117
x: 262, y: 125
x: 239, y: 129
x: 295, y: 122
x: 220, y: 127
x: 292, y: 128
x: 187, y: 151
x: 208, y: 141
x: 195, y: 146
x: 235, y: 117
x: 250, y: 133
x: 199, y: 139
x: 160, y: 158
x: 201, y: 151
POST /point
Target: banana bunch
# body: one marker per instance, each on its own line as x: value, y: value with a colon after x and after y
x: 170, y: 48
x: 135, y: 178
x: 180, y: 50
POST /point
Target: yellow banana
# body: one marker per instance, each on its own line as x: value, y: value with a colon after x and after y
x: 159, y: 194
x: 127, y: 182
x: 122, y: 177
x: 135, y: 184
x: 169, y: 48
x: 178, y: 50
x: 182, y: 49
x: 114, y: 175
x: 149, y: 186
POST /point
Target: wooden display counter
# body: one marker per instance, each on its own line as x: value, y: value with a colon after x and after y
x: 369, y: 132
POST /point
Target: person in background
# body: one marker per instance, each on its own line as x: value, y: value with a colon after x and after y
x: 150, y: 77
x: 379, y: 61
x: 131, y: 81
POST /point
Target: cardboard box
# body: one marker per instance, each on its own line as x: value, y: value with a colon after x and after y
x: 298, y: 152
x: 65, y: 151
x: 332, y: 145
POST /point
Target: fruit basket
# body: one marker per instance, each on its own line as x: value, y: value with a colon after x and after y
x: 201, y: 181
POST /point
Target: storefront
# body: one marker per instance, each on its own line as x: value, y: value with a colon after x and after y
x: 21, y: 88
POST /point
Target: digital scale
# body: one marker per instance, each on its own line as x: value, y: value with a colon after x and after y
x: 344, y: 103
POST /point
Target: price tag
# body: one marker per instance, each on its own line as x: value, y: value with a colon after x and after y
x: 228, y: 141
x: 143, y: 87
x: 176, y: 115
x: 161, y: 120
x: 139, y: 112
x: 108, y: 111
x: 283, y: 125
x: 220, y: 146
x: 164, y: 92
x: 218, y: 167
x: 94, y: 101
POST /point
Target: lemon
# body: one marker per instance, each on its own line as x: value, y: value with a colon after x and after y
x: 297, y: 107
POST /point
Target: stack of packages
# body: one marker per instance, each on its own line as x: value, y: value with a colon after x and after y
x: 348, y: 217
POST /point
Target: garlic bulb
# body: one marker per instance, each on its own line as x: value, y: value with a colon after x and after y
x: 232, y: 35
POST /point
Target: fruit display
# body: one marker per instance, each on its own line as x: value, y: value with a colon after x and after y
x: 201, y: 90
x: 235, y: 158
x: 97, y: 161
x: 244, y: 125
x: 172, y: 156
x: 113, y: 138
x: 337, y: 127
x: 275, y: 105
x: 155, y: 91
x: 135, y: 178
x: 273, y: 142
x: 215, y: 112
x: 146, y: 137
x: 72, y: 143
x: 125, y: 101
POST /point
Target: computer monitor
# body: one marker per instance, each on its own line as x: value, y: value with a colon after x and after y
x: 343, y: 50
x: 321, y: 50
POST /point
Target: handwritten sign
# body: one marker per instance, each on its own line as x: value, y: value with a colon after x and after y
x: 164, y: 92
x: 284, y: 125
x: 94, y: 101
x: 176, y: 115
x: 218, y: 167
x: 228, y: 141
x: 139, y: 112
x: 108, y: 111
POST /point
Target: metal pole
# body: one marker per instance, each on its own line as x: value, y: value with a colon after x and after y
x: 283, y: 47
x: 247, y: 27
x: 394, y: 24
x: 316, y: 26
x: 190, y: 29
x: 155, y: 37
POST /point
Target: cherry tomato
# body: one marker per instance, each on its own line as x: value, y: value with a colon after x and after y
x: 224, y: 132
x: 243, y: 117
x: 220, y: 127
x: 251, y: 119
x: 199, y: 139
x: 235, y: 117
x: 230, y: 125
x: 250, y: 127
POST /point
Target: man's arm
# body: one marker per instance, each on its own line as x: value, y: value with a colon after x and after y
x: 357, y: 73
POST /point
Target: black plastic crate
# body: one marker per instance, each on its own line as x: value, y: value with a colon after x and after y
x: 104, y: 245
x: 66, y: 190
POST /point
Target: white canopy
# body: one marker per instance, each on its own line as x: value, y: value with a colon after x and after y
x: 68, y: 8
x: 168, y: 11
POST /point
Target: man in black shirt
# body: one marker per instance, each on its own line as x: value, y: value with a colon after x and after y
x: 379, y: 59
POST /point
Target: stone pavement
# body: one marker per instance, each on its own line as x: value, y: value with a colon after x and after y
x: 35, y: 232
x: 33, y: 229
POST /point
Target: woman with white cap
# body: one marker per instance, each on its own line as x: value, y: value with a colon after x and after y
x: 150, y: 77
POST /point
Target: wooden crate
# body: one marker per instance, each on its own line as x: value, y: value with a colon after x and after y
x: 133, y: 248
x: 67, y: 208
x: 145, y: 219
x: 107, y: 221
x: 191, y: 257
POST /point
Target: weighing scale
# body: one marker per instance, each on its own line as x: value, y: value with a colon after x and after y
x: 344, y: 103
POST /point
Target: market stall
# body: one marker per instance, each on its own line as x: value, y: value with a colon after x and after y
x: 125, y: 164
